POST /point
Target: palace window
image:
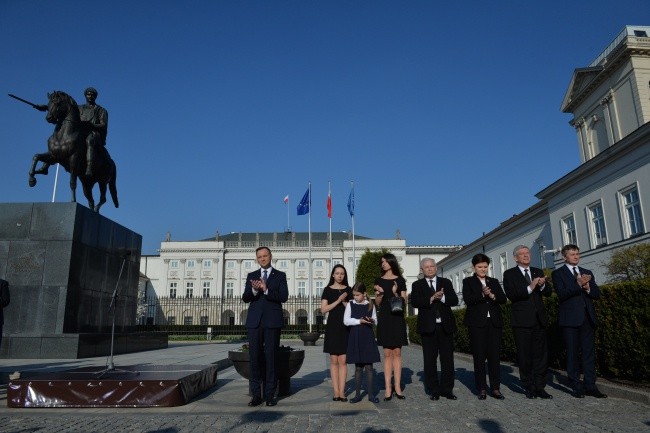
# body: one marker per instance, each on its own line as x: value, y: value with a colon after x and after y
x: 632, y: 208
x: 597, y: 219
x: 569, y: 230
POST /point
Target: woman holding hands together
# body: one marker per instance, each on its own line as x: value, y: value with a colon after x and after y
x: 391, y: 326
x: 483, y: 296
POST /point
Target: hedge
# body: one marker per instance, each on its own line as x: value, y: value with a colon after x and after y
x: 622, y: 336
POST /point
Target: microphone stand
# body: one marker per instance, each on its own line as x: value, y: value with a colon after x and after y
x: 113, y: 306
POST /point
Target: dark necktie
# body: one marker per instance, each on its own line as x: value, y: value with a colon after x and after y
x: 527, y: 276
x: 264, y: 276
x: 575, y: 272
x: 436, y: 306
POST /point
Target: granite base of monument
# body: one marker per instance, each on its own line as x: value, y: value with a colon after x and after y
x: 63, y: 262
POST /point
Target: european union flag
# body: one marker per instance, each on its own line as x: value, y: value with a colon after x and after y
x: 351, y: 202
x: 303, y: 206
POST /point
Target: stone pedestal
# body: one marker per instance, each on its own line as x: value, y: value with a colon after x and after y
x: 62, y: 261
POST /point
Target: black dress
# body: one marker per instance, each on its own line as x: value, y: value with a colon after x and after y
x: 362, y: 348
x: 336, y: 333
x: 391, y: 328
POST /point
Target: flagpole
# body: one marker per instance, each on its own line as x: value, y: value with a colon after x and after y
x: 311, y: 312
x: 329, y: 211
x: 288, y: 223
x: 354, y: 255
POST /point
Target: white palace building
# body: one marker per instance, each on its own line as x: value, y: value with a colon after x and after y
x: 217, y: 268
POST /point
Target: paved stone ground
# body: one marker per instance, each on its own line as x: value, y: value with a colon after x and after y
x: 310, y: 408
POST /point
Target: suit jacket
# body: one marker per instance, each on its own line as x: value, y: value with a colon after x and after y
x: 574, y: 301
x: 527, y: 309
x: 479, y: 306
x: 266, y: 310
x: 420, y: 299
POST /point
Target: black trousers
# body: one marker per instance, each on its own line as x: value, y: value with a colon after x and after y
x: 263, y: 350
x: 532, y: 356
x: 486, y: 345
x: 581, y: 341
x: 434, y: 344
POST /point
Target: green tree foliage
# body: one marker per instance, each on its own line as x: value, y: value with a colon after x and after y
x: 630, y: 264
x: 369, y: 268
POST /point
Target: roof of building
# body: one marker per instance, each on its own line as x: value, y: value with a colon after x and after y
x: 270, y: 236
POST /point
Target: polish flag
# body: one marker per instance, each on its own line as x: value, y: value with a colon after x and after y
x: 286, y: 199
x: 329, y: 205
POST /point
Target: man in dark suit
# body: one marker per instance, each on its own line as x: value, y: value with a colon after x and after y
x: 433, y: 297
x: 577, y: 288
x: 525, y: 286
x: 266, y: 289
x: 4, y: 301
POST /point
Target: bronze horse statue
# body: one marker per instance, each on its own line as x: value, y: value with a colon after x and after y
x: 67, y: 146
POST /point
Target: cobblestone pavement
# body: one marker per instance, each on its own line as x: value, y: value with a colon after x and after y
x: 310, y: 409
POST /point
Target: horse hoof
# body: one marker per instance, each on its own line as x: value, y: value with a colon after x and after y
x: 32, y: 181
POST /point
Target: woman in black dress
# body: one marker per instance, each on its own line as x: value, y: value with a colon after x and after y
x: 335, y: 297
x: 482, y: 295
x: 391, y: 327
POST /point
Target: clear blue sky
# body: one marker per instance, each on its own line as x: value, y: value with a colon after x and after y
x: 446, y: 115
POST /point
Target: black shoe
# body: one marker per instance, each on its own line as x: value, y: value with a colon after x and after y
x: 373, y: 399
x: 530, y: 394
x: 435, y: 397
x: 578, y: 394
x: 482, y: 395
x: 388, y: 398
x: 335, y: 399
x: 543, y: 394
x: 356, y: 399
x: 450, y: 396
x: 343, y: 399
x: 595, y: 393
x: 255, y: 401
x: 497, y: 394
x: 399, y: 396
x: 271, y: 401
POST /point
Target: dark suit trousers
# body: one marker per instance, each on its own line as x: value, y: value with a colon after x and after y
x: 577, y: 338
x: 434, y: 344
x: 532, y: 356
x: 263, y: 348
x: 486, y: 345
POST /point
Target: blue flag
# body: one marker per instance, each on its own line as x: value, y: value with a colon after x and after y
x: 303, y: 206
x: 351, y: 202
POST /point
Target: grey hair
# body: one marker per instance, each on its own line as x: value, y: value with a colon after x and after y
x: 427, y: 259
x: 517, y: 248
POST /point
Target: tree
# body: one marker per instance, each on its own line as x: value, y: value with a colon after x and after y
x: 629, y: 264
x: 369, y: 268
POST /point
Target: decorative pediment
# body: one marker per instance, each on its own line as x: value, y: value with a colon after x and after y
x: 582, y: 78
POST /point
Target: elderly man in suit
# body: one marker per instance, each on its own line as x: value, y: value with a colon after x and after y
x: 266, y: 289
x: 434, y: 296
x: 524, y: 286
x: 577, y: 288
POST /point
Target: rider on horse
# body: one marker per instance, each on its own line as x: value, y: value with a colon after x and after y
x: 95, y: 118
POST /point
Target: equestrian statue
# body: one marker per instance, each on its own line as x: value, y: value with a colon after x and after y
x: 78, y: 143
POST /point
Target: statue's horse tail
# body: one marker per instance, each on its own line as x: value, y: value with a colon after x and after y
x: 112, y: 187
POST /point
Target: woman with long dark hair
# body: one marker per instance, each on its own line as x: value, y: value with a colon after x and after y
x: 335, y: 297
x: 391, y: 326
